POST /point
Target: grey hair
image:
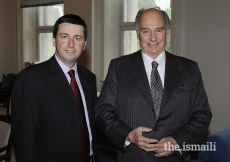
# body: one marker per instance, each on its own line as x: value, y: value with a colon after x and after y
x: 142, y: 10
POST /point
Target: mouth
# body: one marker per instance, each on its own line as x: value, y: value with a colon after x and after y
x: 152, y: 44
x: 70, y: 51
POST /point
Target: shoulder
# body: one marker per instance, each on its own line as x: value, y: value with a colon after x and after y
x: 178, y: 58
x: 86, y: 73
x: 36, y: 73
x: 85, y: 70
x: 38, y: 69
x: 126, y: 59
x: 185, y: 65
x: 182, y: 61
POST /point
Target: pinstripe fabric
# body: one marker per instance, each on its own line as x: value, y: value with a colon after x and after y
x: 156, y: 88
x: 125, y: 103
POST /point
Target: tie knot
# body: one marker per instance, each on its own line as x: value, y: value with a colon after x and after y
x: 154, y: 64
x: 71, y: 74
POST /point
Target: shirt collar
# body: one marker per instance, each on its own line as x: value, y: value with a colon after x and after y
x: 148, y: 60
x: 65, y: 68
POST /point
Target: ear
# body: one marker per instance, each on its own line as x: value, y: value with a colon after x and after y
x: 167, y: 34
x: 138, y: 36
x: 53, y: 39
x: 84, y: 45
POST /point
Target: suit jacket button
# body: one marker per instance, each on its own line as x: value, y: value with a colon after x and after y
x: 79, y: 136
x: 155, y: 129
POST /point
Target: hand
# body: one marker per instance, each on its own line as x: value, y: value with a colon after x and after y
x: 147, y: 144
x: 167, y: 146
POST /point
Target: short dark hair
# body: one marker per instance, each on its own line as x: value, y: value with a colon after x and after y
x: 72, y: 19
x: 141, y: 11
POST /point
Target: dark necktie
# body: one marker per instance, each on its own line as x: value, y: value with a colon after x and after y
x: 156, y: 88
x: 85, y: 133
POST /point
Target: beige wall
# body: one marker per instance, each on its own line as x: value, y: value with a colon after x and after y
x: 84, y: 10
x: 206, y: 39
x: 8, y: 37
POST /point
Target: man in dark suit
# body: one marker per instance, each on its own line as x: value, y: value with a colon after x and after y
x: 152, y: 102
x: 51, y: 120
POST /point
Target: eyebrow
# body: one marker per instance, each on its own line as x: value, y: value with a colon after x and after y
x: 149, y: 29
x: 74, y: 36
x: 63, y: 34
x: 79, y: 36
x: 145, y: 29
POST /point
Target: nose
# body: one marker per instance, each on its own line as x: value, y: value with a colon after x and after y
x: 71, y: 43
x: 153, y: 36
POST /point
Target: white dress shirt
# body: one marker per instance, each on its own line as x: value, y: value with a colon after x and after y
x: 161, y: 66
x: 66, y: 69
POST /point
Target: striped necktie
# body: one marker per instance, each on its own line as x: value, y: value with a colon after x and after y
x: 156, y: 88
x: 85, y: 133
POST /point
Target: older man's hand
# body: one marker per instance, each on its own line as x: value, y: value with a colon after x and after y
x: 167, y: 146
x: 147, y: 144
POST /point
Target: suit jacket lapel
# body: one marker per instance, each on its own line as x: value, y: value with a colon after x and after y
x: 172, y: 77
x: 60, y: 79
x: 138, y: 73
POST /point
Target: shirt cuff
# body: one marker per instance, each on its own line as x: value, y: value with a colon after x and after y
x: 126, y: 143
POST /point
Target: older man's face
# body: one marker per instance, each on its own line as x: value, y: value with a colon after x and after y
x: 152, y: 33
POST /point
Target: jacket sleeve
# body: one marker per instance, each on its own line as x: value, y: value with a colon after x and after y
x: 106, y: 116
x: 25, y: 109
x: 200, y: 114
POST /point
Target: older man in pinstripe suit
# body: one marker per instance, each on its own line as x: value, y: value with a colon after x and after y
x: 146, y: 129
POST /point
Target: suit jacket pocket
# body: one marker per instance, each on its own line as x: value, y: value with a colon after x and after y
x: 182, y: 88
